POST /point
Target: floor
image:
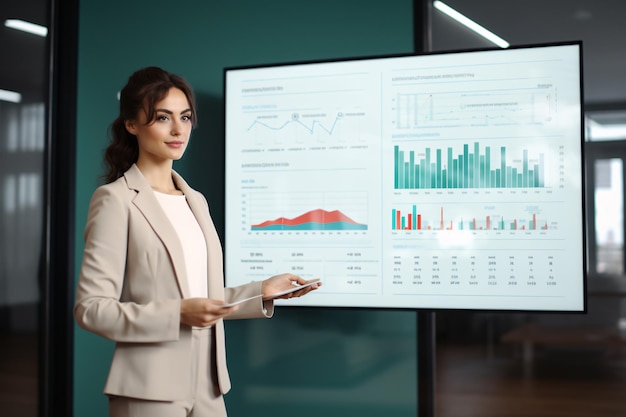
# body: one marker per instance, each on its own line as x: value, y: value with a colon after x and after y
x: 560, y: 382
x: 471, y: 381
x: 18, y: 376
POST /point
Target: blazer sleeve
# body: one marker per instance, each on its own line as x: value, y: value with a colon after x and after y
x: 102, y: 278
x: 255, y: 308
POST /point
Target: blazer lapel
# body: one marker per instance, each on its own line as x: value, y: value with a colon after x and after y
x: 147, y: 203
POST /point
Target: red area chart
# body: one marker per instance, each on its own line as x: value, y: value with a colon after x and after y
x: 316, y: 219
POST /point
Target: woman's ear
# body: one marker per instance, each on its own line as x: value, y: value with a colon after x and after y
x: 131, y: 127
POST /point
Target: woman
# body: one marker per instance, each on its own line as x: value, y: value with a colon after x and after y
x: 151, y: 277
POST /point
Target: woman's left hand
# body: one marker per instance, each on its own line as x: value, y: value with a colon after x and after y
x: 282, y: 282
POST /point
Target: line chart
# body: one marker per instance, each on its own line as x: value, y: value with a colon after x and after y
x: 296, y: 119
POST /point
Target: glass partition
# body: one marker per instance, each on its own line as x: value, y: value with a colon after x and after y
x: 310, y: 362
x: 23, y: 94
x: 505, y: 364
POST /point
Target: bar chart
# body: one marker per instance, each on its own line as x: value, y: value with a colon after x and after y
x: 475, y: 166
x: 476, y: 217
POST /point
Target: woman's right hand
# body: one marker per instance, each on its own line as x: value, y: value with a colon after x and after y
x: 203, y: 312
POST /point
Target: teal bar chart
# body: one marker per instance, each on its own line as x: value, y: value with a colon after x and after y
x: 442, y: 168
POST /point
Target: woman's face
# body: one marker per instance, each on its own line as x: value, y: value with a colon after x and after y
x: 166, y: 137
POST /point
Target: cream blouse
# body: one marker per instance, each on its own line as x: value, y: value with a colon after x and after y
x: 191, y: 238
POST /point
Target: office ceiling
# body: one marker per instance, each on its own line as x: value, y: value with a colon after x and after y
x: 23, y: 67
x: 598, y: 23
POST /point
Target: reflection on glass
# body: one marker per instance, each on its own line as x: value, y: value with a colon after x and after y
x: 22, y: 207
x: 609, y: 219
x: 608, y: 125
x: 22, y: 135
x: 310, y: 362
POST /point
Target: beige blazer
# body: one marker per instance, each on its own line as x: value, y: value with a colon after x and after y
x: 132, y: 280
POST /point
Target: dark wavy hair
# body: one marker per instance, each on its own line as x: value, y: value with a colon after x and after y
x: 144, y: 89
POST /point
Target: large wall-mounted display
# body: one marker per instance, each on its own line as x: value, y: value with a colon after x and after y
x: 437, y: 181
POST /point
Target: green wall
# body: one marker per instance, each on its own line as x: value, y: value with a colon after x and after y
x: 304, y: 361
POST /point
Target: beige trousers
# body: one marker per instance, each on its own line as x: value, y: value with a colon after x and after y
x: 207, y: 401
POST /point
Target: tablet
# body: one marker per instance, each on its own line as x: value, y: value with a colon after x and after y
x: 234, y: 303
x: 295, y: 288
